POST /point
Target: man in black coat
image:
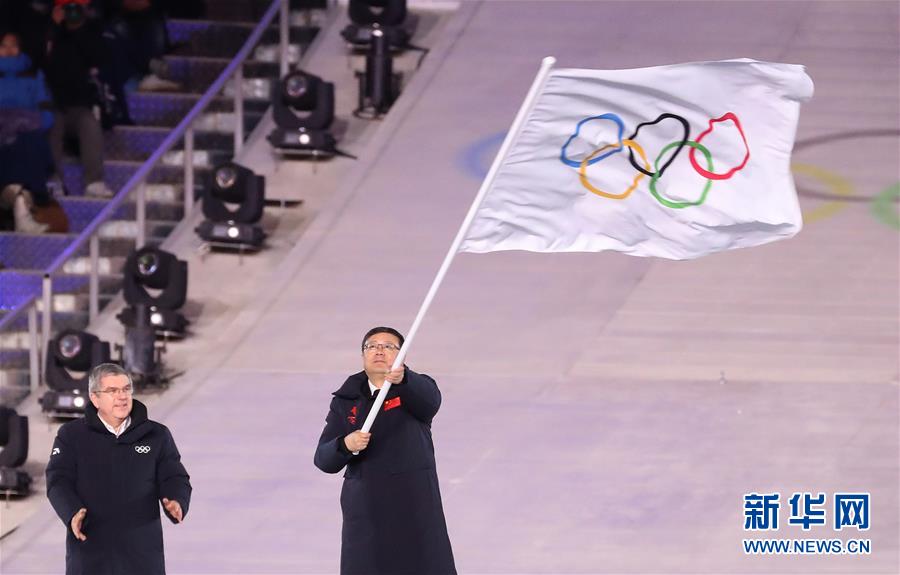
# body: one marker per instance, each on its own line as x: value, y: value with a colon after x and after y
x: 107, y: 475
x: 391, y: 503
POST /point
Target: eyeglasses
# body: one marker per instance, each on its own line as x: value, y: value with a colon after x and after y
x: 114, y: 391
x: 371, y: 347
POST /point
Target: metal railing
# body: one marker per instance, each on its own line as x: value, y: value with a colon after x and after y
x: 135, y: 186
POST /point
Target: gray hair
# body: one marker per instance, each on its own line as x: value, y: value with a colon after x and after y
x: 104, y: 370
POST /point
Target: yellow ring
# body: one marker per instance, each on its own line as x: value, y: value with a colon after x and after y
x: 838, y: 185
x: 583, y: 168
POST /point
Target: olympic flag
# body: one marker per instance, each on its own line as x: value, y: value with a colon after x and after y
x: 672, y: 161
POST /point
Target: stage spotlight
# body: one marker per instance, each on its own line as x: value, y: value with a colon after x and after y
x: 140, y: 356
x: 151, y: 268
x: 388, y: 16
x: 303, y: 110
x: 71, y: 352
x: 378, y: 85
x: 235, y: 185
x: 14, y: 441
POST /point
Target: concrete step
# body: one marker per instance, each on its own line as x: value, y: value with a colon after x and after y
x: 20, y: 284
x: 165, y: 193
x: 21, y: 253
x: 106, y: 265
x: 126, y: 231
x: 118, y: 172
x: 168, y: 109
x: 29, y: 252
x: 82, y: 211
x: 207, y: 38
x: 253, y: 10
x: 18, y: 330
x: 14, y: 386
x: 196, y: 74
x: 14, y: 359
x: 137, y: 143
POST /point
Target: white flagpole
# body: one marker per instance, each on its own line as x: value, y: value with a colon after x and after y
x: 536, y: 87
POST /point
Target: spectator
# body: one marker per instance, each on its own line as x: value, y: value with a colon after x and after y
x: 141, y: 28
x: 73, y: 68
x: 31, y: 20
x: 25, y: 159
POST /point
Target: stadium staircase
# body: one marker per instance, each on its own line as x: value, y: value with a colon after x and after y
x: 201, y: 50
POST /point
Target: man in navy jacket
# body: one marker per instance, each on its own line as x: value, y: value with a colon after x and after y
x: 108, y: 474
x: 391, y: 503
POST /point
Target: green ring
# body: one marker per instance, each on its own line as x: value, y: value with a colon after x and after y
x: 883, y: 206
x: 679, y: 205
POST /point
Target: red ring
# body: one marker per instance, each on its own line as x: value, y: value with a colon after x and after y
x: 712, y: 175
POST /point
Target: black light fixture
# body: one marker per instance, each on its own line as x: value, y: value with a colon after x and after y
x: 388, y: 16
x: 151, y: 268
x: 303, y: 110
x: 140, y: 356
x: 378, y: 85
x: 231, y: 184
x: 14, y: 441
x: 71, y: 351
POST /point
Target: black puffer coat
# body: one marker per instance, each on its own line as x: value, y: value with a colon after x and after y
x: 120, y: 481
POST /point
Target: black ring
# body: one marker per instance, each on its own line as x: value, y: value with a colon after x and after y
x: 837, y: 137
x: 687, y: 135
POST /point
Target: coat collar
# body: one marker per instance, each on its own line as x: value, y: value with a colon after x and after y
x: 356, y: 386
x: 138, y: 416
x: 353, y: 387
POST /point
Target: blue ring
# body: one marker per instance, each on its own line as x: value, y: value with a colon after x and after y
x: 610, y: 116
x: 475, y: 160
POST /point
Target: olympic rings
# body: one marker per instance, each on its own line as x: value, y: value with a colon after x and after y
x: 631, y: 145
x: 658, y: 174
x: 613, y: 118
x: 732, y: 171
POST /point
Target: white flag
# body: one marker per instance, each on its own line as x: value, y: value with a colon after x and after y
x: 672, y: 161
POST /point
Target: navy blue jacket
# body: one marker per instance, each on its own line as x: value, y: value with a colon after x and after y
x: 391, y: 502
x: 120, y: 481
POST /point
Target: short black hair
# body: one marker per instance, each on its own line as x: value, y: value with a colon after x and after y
x: 382, y: 329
